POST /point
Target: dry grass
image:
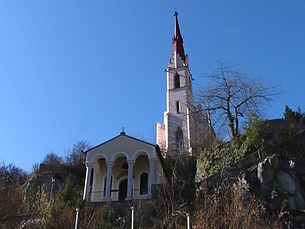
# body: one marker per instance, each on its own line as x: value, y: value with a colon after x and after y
x: 232, y: 207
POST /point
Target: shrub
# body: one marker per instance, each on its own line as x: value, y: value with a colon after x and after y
x: 258, y: 134
x: 213, y: 160
x: 93, y: 217
x: 42, y: 206
x: 70, y: 195
x: 10, y: 201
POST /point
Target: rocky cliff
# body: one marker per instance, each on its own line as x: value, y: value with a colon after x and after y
x: 277, y: 179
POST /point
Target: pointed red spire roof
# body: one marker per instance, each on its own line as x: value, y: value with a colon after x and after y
x: 177, y: 39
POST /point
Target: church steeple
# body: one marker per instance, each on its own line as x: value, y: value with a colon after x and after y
x: 178, y: 48
x: 175, y: 134
x: 184, y: 129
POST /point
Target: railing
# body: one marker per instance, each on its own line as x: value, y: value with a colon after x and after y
x: 93, y: 192
x: 99, y: 196
x: 96, y: 196
x: 138, y: 195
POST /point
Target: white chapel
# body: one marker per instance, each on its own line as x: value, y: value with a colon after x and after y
x: 124, y: 167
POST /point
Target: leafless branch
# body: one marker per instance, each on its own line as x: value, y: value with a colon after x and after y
x: 232, y: 96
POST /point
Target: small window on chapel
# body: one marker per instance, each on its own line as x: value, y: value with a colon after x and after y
x: 177, y: 80
x: 177, y: 107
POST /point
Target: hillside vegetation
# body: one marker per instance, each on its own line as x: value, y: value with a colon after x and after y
x: 255, y: 180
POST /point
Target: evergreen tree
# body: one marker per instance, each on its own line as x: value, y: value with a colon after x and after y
x: 69, y: 196
x: 294, y: 116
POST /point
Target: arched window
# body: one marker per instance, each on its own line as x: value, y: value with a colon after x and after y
x: 179, y: 140
x: 144, y: 184
x: 177, y: 80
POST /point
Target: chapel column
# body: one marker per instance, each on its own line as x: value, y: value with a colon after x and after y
x: 93, y: 185
x: 151, y: 177
x: 130, y: 178
x: 108, y: 179
x: 89, y: 167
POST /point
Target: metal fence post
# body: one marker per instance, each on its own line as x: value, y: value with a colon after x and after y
x: 132, y: 217
x: 76, y: 219
x: 188, y: 221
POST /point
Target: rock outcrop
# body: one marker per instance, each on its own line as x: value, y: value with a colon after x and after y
x: 278, y: 180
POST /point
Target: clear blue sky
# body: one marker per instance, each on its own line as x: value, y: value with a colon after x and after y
x: 80, y: 70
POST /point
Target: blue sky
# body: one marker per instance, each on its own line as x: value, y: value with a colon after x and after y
x: 80, y: 70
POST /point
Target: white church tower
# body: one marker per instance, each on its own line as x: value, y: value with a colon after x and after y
x: 175, y: 135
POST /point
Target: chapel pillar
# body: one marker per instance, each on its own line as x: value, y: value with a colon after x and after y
x: 151, y: 174
x: 89, y: 167
x: 130, y: 178
x: 108, y: 179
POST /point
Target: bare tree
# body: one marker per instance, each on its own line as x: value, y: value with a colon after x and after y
x: 53, y: 159
x: 11, y: 174
x: 75, y: 157
x: 11, y: 179
x: 232, y: 96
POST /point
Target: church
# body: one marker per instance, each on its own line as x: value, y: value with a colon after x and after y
x: 126, y: 168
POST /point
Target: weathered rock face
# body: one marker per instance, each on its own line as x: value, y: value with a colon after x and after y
x: 279, y: 177
x: 50, y: 178
x: 278, y: 180
x: 265, y: 172
x: 32, y: 224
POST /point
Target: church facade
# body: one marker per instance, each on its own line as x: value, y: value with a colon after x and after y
x: 124, y: 167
